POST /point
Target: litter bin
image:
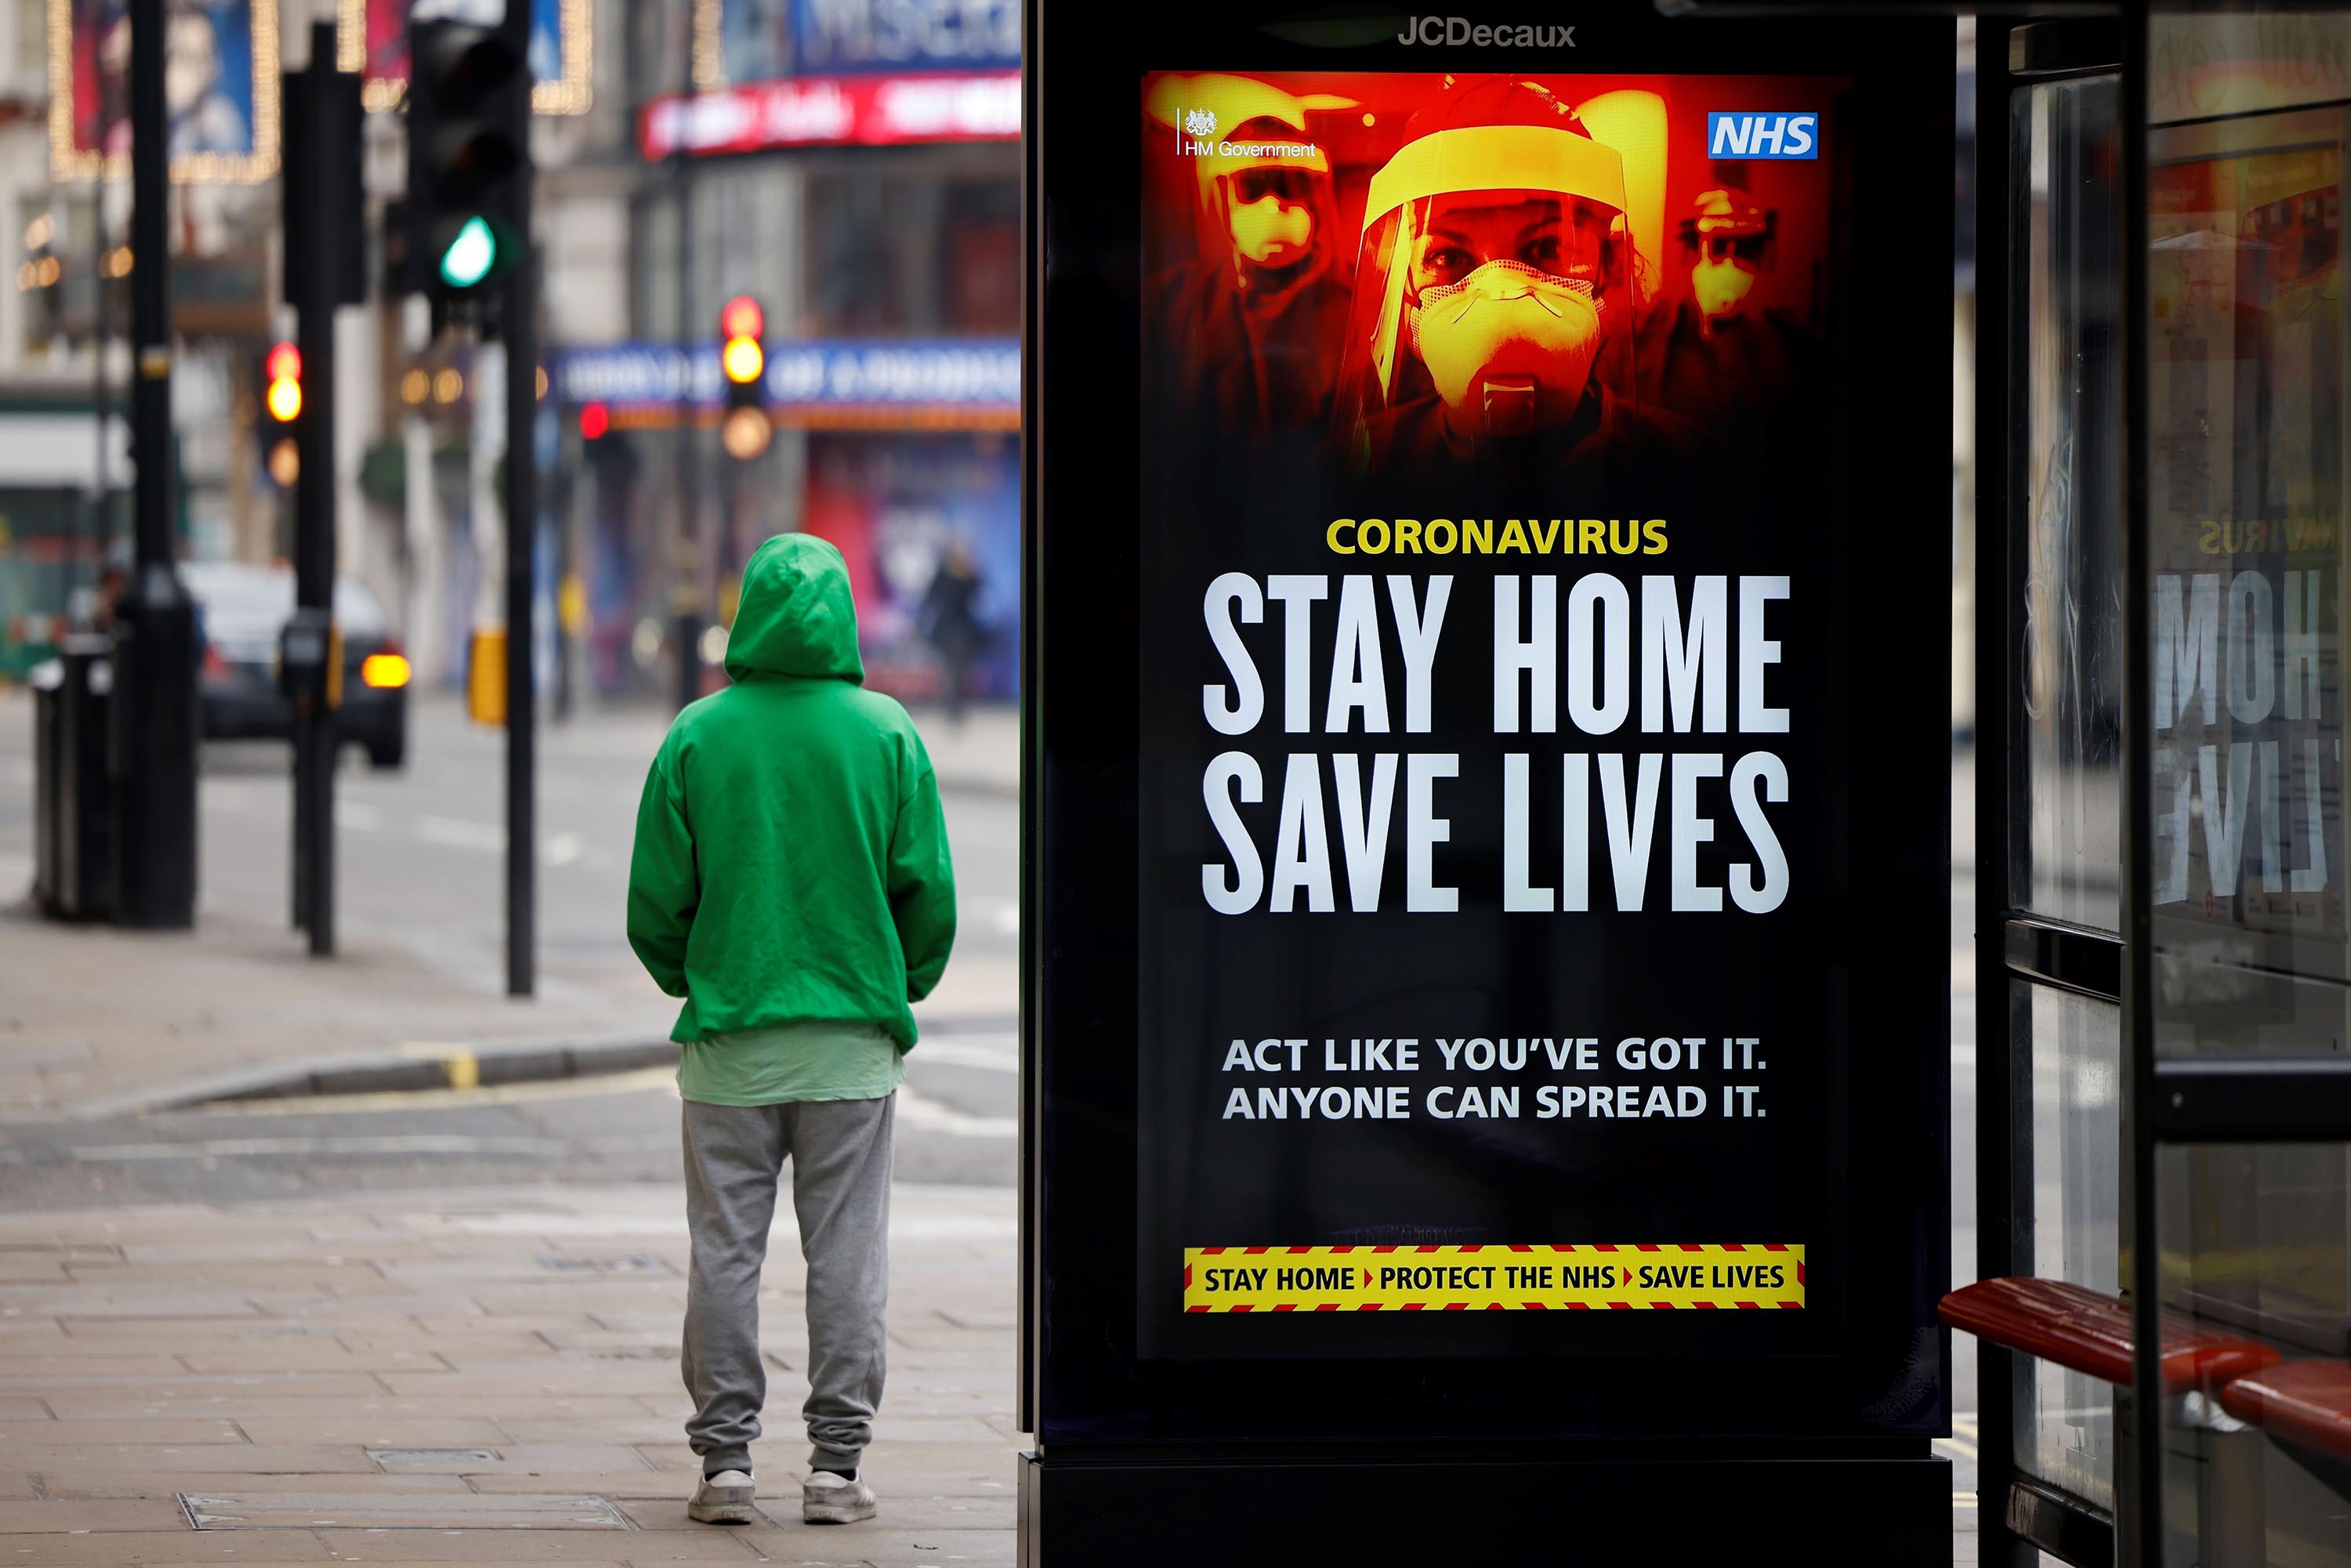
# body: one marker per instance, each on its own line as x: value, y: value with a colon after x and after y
x: 73, y: 815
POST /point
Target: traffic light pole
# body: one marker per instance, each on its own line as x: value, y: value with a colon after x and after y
x: 154, y: 704
x: 314, y: 494
x: 323, y: 270
x: 520, y: 326
x: 686, y: 596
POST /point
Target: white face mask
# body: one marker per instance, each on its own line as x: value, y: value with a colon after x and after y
x: 1510, y: 336
x: 1720, y: 286
x: 1271, y: 231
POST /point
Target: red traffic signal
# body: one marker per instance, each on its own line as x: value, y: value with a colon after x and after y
x: 595, y: 419
x: 742, y: 318
x: 284, y: 364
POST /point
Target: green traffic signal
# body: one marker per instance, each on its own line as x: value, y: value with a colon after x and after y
x: 470, y: 256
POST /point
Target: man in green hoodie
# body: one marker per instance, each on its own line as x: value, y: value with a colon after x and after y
x: 791, y: 881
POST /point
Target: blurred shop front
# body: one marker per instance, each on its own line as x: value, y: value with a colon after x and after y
x: 853, y: 169
x: 895, y: 450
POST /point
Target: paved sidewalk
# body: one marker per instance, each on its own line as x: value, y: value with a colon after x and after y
x: 482, y: 1376
x: 95, y: 1019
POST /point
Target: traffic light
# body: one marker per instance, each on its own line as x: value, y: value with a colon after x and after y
x: 468, y: 119
x: 282, y: 371
x: 746, y: 430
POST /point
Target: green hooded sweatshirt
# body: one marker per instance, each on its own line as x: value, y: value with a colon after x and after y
x: 791, y: 878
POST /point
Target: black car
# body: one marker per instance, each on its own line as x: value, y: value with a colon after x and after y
x: 242, y: 609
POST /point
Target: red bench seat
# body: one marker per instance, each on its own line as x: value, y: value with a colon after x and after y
x: 2091, y: 1333
x: 2306, y: 1402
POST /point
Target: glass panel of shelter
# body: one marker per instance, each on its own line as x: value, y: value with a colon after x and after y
x: 2244, y: 573
x: 2066, y: 513
x: 2064, y: 716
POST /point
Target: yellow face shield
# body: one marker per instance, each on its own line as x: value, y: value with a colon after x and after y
x: 1492, y: 262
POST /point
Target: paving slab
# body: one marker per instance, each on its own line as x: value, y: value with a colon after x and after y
x: 23, y: 1372
x: 878, y: 1542
x: 197, y: 1459
x: 170, y: 1483
x: 181, y: 1548
x: 64, y: 1518
x: 526, y: 1459
x: 237, y: 1405
x: 168, y: 1380
x: 376, y: 1431
x: 17, y: 1436
x: 307, y: 1355
x: 641, y: 1482
x: 493, y: 1546
x: 399, y: 1510
x: 780, y: 1504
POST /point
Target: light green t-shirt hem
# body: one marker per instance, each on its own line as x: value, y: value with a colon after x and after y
x: 790, y: 1063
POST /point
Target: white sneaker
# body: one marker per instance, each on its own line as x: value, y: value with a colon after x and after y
x: 723, y: 1498
x: 830, y: 1499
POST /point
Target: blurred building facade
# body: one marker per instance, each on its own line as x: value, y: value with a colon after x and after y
x: 852, y: 166
x: 858, y: 177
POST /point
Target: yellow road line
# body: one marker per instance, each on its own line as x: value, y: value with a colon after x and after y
x: 464, y: 1067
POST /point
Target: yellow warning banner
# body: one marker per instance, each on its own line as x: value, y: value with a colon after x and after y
x: 1512, y: 1279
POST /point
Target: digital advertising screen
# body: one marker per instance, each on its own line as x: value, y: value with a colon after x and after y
x: 1540, y: 687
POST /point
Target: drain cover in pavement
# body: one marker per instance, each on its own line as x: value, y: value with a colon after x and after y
x: 431, y: 1456
x: 398, y: 1511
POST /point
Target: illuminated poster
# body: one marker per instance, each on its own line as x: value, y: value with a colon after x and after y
x: 1517, y: 776
x: 220, y: 89
x: 372, y: 38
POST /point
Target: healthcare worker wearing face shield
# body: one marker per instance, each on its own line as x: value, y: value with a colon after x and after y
x: 1717, y: 357
x: 1252, y: 326
x: 1494, y: 292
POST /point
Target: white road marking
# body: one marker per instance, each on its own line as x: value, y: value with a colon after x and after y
x: 916, y: 1110
x: 458, y: 833
x: 358, y: 816
x: 561, y: 850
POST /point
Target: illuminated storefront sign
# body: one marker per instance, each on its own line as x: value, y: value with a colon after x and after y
x: 968, y: 383
x: 836, y: 111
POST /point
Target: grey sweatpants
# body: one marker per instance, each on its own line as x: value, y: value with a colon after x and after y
x: 734, y: 1155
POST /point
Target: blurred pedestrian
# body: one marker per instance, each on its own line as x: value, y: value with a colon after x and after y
x: 950, y: 618
x: 791, y: 881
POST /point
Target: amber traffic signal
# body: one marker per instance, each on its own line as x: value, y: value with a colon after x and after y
x: 282, y: 370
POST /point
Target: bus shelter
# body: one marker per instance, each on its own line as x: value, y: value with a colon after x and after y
x: 2164, y: 1127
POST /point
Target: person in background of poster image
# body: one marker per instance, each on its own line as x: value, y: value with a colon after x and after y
x: 1250, y: 323
x: 1717, y: 357
x: 207, y: 77
x: 1495, y: 297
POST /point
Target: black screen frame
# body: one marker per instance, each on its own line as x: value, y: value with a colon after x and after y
x: 1085, y: 1389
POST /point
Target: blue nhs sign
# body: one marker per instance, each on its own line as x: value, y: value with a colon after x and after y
x: 1762, y: 135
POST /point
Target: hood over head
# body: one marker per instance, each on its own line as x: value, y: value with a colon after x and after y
x: 796, y: 615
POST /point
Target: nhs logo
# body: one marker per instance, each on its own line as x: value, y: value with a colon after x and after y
x: 1762, y: 136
